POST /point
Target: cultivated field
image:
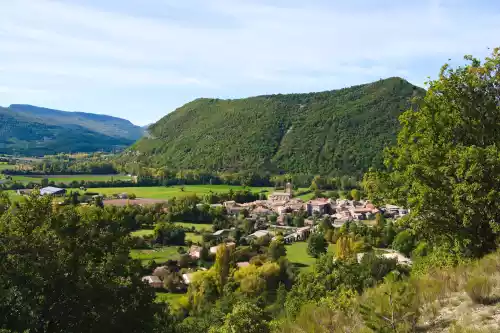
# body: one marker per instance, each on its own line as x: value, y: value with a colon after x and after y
x: 126, y: 202
x: 162, y: 192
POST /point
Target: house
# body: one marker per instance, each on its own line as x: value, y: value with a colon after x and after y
x: 230, y: 245
x: 400, y: 258
x: 153, y: 281
x: 259, y: 234
x: 195, y: 251
x: 242, y: 264
x: 187, y: 278
x: 24, y: 191
x: 392, y: 209
x: 50, y: 190
x: 160, y: 271
x: 261, y: 211
x: 303, y: 232
x: 234, y: 210
x: 221, y: 232
x: 319, y: 206
x: 280, y: 196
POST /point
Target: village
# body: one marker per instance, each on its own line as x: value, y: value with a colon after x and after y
x: 272, y: 218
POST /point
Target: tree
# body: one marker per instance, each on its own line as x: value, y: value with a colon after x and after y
x: 222, y: 265
x: 404, y: 242
x: 445, y: 166
x: 389, y: 233
x: 316, y: 245
x: 298, y: 221
x: 380, y: 220
x: 277, y: 248
x: 356, y: 195
x: 245, y: 317
x: 345, y: 248
x: 169, y: 234
x: 85, y: 253
x: 4, y: 202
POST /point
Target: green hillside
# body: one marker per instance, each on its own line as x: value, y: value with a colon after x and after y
x: 29, y: 130
x: 334, y: 132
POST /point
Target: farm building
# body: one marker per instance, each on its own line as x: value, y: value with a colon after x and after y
x: 50, y: 190
x: 153, y: 281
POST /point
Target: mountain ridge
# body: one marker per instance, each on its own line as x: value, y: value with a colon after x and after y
x: 31, y: 130
x: 339, y: 131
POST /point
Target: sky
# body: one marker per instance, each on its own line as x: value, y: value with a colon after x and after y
x: 141, y: 59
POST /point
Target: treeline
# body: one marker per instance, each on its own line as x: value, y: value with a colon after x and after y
x: 65, y: 167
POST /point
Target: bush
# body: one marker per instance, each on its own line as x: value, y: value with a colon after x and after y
x: 479, y: 289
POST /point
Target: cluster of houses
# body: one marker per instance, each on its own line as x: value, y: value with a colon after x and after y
x: 283, y: 203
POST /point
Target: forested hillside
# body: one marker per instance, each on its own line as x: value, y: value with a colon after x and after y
x: 30, y: 130
x: 334, y: 132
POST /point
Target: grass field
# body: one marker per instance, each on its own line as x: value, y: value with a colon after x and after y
x: 297, y: 254
x: 189, y: 236
x: 142, y: 232
x: 170, y: 298
x: 68, y: 178
x: 161, y: 192
x: 5, y: 166
x: 159, y: 255
x: 197, y: 226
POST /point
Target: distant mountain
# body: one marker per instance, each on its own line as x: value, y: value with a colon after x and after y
x: 333, y: 132
x: 32, y: 130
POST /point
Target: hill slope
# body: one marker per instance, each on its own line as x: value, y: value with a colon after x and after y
x: 30, y: 130
x: 333, y: 132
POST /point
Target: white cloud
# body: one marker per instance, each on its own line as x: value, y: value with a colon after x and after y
x: 232, y: 47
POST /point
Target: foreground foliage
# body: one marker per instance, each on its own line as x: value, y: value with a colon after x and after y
x: 446, y: 164
x: 68, y: 270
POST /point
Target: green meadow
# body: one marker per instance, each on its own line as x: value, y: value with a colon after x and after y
x: 297, y: 254
x: 162, y: 192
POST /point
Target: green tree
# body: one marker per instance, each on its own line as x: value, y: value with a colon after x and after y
x: 298, y: 221
x: 4, y: 202
x: 446, y: 164
x: 404, y: 242
x: 345, y: 248
x: 245, y: 317
x: 277, y: 248
x: 380, y: 220
x: 68, y: 270
x: 222, y: 265
x: 316, y: 244
x: 356, y: 195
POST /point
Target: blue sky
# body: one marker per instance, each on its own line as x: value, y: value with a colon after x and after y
x: 141, y: 59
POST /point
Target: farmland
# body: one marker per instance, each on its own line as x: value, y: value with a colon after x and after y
x: 161, y: 192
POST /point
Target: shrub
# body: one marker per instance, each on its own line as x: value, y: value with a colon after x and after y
x: 479, y: 289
